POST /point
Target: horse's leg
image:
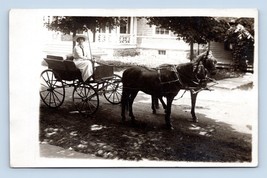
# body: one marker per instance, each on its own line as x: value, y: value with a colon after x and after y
x: 131, y: 100
x: 163, y: 103
x: 193, y: 104
x: 154, y: 104
x: 124, y: 103
x: 168, y: 112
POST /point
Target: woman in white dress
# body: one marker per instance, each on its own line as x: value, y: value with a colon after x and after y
x: 82, y: 58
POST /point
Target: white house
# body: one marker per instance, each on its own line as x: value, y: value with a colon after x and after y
x: 135, y: 37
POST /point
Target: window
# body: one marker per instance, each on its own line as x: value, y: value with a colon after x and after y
x: 125, y: 25
x: 162, y: 52
x: 228, y: 46
x: 161, y: 31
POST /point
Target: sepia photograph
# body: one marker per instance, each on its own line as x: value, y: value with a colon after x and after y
x: 134, y: 88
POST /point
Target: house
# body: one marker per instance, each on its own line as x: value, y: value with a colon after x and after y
x: 222, y: 53
x: 135, y: 37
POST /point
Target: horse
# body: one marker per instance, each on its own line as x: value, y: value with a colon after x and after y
x: 165, y: 81
x: 193, y: 91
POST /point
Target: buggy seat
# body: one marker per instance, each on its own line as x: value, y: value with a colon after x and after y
x: 66, y: 69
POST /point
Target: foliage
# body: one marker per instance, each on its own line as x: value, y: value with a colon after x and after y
x: 74, y: 24
x: 241, y: 36
x: 68, y: 24
x: 126, y: 52
x: 192, y: 29
x: 204, y: 29
x: 199, y: 30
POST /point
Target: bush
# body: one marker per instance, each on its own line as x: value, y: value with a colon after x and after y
x: 126, y: 52
x: 241, y: 37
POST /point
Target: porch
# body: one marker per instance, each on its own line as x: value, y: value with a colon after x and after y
x: 114, y: 40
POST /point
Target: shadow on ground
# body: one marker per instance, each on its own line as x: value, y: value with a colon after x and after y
x: 104, y: 136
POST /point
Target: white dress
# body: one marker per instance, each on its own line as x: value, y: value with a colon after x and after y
x: 81, y: 60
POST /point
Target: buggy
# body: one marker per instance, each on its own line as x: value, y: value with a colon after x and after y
x: 85, y: 96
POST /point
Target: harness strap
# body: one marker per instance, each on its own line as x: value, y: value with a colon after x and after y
x: 178, y: 75
x: 173, y: 68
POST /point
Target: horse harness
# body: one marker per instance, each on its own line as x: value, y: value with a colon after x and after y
x: 171, y: 68
x: 178, y: 74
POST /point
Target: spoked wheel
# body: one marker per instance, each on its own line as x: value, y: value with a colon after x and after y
x: 85, y: 99
x: 52, y: 90
x: 113, y: 91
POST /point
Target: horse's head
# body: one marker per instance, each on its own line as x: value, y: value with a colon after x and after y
x: 208, y: 61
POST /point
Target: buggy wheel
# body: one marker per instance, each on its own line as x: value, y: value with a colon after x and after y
x: 52, y: 90
x: 113, y: 90
x: 85, y: 99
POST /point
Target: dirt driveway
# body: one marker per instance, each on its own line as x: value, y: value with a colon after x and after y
x: 104, y: 136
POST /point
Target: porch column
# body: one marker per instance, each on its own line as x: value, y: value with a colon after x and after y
x: 117, y: 39
x: 132, y: 30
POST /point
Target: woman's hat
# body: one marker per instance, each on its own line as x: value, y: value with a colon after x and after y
x: 77, y: 37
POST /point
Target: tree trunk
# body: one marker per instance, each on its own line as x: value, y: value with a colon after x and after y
x: 209, y: 46
x: 73, y: 42
x: 94, y: 33
x: 191, y: 51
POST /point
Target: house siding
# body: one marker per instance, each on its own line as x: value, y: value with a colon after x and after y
x: 147, y: 39
x: 222, y: 55
x: 143, y: 29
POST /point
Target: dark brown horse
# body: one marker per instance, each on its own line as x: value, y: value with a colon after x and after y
x: 198, y: 84
x: 165, y: 81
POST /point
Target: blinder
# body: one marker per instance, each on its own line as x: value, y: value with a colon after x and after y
x: 208, y: 63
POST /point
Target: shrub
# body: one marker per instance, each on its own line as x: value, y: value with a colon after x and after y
x: 240, y: 35
x: 126, y: 52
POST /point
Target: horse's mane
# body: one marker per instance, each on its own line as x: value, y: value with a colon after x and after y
x: 148, y: 68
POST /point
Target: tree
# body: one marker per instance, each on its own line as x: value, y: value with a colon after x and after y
x: 241, y: 36
x: 192, y: 30
x: 73, y: 24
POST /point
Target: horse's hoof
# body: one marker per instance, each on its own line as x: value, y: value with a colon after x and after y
x: 169, y: 127
x: 134, y: 123
x: 195, y: 120
x: 154, y: 112
x: 133, y: 119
